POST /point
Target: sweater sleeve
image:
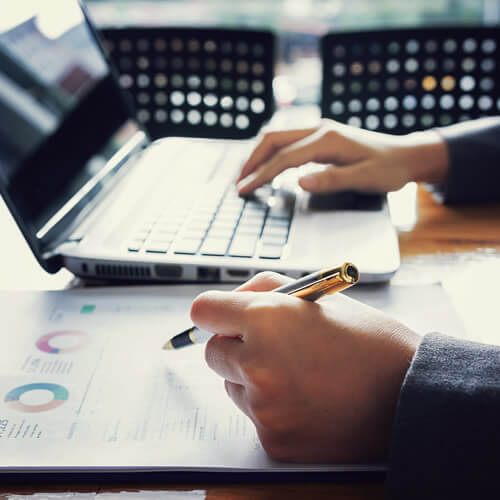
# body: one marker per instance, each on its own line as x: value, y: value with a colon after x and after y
x: 474, y: 153
x: 446, y: 435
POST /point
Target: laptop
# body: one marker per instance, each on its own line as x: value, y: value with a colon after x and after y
x: 91, y: 192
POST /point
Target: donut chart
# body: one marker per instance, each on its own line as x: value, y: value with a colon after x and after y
x: 13, y: 398
x: 43, y: 343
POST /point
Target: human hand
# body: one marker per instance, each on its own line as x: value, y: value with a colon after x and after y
x: 369, y: 161
x: 319, y: 380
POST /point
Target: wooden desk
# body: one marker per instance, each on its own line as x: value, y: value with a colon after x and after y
x: 440, y: 231
x: 451, y: 229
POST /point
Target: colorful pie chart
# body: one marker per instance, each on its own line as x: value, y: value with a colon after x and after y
x: 81, y: 340
x: 13, y: 398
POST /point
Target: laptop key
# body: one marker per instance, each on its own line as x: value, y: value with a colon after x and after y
x: 167, y: 228
x: 227, y: 217
x: 206, y: 208
x: 187, y: 246
x: 231, y: 209
x: 193, y: 234
x: 200, y: 216
x: 279, y: 212
x: 141, y: 233
x: 214, y: 246
x: 221, y: 233
x: 169, y: 218
x: 161, y: 234
x: 197, y: 225
x: 275, y: 232
x: 204, y: 212
x: 156, y: 248
x: 254, y: 205
x: 134, y: 246
x: 223, y: 225
x: 248, y: 230
x: 255, y: 208
x: 158, y: 240
x: 253, y: 215
x: 243, y: 246
x: 274, y: 240
x: 275, y: 228
x: 233, y: 198
x: 270, y: 251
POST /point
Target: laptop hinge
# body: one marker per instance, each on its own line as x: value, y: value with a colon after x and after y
x: 65, y: 221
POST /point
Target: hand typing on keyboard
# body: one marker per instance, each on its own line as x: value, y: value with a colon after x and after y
x: 369, y: 161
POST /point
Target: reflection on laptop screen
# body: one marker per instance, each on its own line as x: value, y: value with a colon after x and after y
x: 60, y: 108
x: 48, y: 64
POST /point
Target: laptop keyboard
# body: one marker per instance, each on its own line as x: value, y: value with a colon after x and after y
x: 226, y: 225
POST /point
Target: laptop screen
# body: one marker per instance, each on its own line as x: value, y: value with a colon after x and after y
x: 59, y: 105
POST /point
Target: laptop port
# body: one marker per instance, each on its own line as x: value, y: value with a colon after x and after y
x: 238, y: 273
x: 208, y: 274
x: 168, y: 271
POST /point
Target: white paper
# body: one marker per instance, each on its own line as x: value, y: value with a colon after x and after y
x: 423, y: 308
x: 107, y: 398
x: 475, y: 293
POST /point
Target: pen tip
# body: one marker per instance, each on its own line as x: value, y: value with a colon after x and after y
x: 168, y: 346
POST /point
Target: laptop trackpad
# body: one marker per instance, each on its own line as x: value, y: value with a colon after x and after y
x: 346, y: 200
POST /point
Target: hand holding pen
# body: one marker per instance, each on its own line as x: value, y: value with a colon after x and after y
x: 310, y: 288
x: 320, y: 380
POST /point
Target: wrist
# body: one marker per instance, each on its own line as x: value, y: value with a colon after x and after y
x: 427, y: 157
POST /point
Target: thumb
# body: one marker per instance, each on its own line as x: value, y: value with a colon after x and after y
x: 358, y: 177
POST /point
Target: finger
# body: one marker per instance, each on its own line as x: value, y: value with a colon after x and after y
x: 238, y: 395
x: 295, y: 155
x: 358, y: 177
x: 223, y: 355
x: 269, y: 145
x: 263, y: 282
x: 221, y: 312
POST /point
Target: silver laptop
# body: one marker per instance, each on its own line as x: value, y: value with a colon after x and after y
x: 91, y: 193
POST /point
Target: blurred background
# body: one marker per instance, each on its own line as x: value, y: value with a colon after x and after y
x: 299, y: 24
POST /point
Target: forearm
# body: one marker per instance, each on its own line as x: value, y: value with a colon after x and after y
x: 462, y: 160
x: 474, y: 158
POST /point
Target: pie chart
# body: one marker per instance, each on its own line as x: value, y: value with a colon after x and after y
x: 63, y: 341
x: 59, y: 395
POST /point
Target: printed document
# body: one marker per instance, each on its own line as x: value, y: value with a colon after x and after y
x: 85, y: 385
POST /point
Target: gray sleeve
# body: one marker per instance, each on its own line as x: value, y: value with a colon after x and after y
x: 446, y: 435
x: 474, y: 152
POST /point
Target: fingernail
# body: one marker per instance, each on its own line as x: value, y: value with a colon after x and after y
x: 240, y: 188
x: 241, y: 185
x: 308, y: 182
x: 245, y: 182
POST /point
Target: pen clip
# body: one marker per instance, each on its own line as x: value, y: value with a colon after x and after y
x: 312, y: 291
x: 325, y: 285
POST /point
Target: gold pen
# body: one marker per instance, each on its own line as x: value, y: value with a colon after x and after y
x: 310, y: 287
